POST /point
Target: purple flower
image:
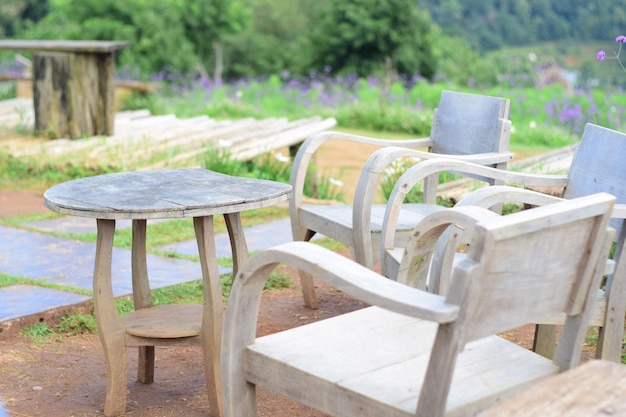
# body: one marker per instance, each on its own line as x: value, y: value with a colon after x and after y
x: 621, y: 38
x: 601, y: 55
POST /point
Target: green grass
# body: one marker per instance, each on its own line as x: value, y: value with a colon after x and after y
x: 6, y: 280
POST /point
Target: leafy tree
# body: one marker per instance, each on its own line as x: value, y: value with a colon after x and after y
x: 153, y: 28
x: 363, y: 36
x: 17, y: 14
x: 207, y: 23
x: 277, y: 39
x: 492, y: 24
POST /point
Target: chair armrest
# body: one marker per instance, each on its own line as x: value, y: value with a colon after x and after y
x: 370, y: 176
x: 421, y: 171
x: 308, y: 149
x: 488, y: 197
x: 487, y: 158
x: 239, y: 329
x: 425, y: 237
x: 338, y: 271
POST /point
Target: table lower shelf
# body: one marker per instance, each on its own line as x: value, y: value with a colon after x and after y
x: 168, y: 321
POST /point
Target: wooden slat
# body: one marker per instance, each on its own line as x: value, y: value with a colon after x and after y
x: 156, y: 142
x: 383, y: 356
x: 593, y: 389
x: 62, y: 46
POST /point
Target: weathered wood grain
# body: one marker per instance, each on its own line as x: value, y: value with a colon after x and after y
x: 596, y: 388
x: 415, y: 353
x: 142, y: 140
x: 73, y: 94
x: 62, y: 45
x: 142, y: 195
x: 594, y: 168
x: 465, y: 126
x: 73, y: 87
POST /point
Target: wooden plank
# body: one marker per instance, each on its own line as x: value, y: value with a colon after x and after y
x: 596, y: 388
x: 389, y: 370
x: 63, y: 46
x: 162, y: 141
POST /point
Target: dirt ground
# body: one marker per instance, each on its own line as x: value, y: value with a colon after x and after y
x: 67, y: 378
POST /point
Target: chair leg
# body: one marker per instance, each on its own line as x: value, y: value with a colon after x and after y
x: 545, y: 340
x: 145, y: 365
x: 308, y: 290
x: 609, y: 344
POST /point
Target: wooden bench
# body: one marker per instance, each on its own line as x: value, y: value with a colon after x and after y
x: 73, y: 85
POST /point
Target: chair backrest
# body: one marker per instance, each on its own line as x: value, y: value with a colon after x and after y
x: 598, y: 166
x: 519, y: 271
x: 519, y: 266
x: 465, y: 124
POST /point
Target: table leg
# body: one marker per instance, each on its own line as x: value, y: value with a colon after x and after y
x: 110, y: 325
x: 142, y: 297
x: 237, y: 240
x: 212, y: 317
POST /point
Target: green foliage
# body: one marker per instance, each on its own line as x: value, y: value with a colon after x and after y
x: 153, y: 28
x: 219, y: 160
x: 394, y: 171
x: 18, y: 14
x: 391, y: 118
x: 75, y: 324
x: 7, y: 91
x: 271, y: 166
x: 13, y: 168
x: 139, y: 101
x: 277, y: 39
x: 370, y: 36
x: 493, y: 24
x: 207, y: 23
x: 40, y: 333
x: 322, y: 187
x: 70, y: 325
x: 6, y: 280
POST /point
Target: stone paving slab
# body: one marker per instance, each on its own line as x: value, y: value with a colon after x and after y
x: 23, y: 300
x: 258, y: 237
x: 72, y: 224
x: 70, y: 263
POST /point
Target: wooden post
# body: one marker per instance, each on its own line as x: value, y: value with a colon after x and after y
x: 73, y: 94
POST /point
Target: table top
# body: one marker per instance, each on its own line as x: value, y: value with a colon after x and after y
x: 62, y: 45
x: 162, y: 194
x: 596, y: 388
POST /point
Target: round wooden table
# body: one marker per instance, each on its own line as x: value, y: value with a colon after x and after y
x: 178, y: 193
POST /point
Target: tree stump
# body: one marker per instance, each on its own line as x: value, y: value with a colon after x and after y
x: 73, y: 94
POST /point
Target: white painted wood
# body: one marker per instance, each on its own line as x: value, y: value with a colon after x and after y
x: 465, y: 126
x: 142, y: 195
x: 414, y: 353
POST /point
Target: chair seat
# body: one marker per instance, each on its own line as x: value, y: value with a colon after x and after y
x: 335, y: 221
x: 376, y: 354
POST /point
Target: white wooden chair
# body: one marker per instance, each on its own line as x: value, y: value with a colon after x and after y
x: 415, y: 353
x: 596, y: 167
x: 466, y: 126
